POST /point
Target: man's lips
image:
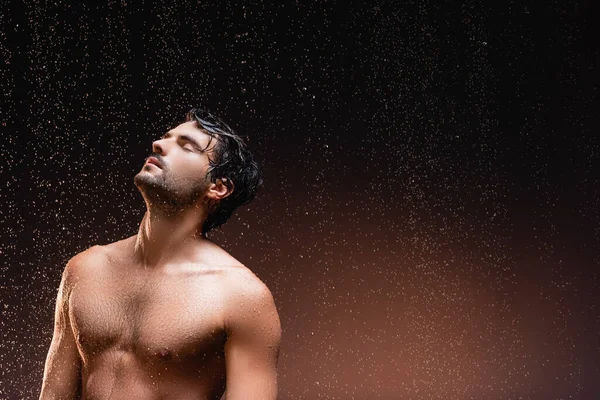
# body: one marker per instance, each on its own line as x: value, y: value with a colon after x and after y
x: 153, y: 160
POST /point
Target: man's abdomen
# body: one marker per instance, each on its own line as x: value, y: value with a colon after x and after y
x: 123, y: 375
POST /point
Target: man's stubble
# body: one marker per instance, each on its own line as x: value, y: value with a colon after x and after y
x: 168, y: 194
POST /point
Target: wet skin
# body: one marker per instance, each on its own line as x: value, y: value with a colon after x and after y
x: 160, y: 333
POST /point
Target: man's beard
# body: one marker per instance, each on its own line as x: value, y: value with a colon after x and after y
x: 166, y: 196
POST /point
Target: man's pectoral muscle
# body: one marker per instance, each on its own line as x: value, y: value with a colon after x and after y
x: 252, y: 347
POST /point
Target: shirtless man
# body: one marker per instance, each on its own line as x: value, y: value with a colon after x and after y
x: 167, y: 313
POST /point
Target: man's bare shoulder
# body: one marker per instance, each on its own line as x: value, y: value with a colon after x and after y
x: 241, y: 281
x: 79, y: 265
x: 98, y: 254
x: 81, y: 259
x: 94, y: 258
x: 248, y: 295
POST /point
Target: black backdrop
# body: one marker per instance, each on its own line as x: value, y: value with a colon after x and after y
x: 429, y: 220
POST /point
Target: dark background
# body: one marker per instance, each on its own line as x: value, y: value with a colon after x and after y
x: 429, y: 222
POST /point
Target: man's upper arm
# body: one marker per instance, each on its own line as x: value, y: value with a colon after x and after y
x: 253, y: 341
x: 63, y: 363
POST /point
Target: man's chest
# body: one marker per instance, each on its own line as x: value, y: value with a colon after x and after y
x: 170, y: 317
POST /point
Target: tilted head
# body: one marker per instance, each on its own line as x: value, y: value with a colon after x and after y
x: 200, y: 162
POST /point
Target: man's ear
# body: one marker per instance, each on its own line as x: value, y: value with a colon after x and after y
x: 219, y: 190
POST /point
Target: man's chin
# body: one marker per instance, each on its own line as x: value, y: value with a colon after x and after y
x: 140, y: 178
x: 145, y: 181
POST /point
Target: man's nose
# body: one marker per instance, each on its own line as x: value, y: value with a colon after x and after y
x: 158, y: 147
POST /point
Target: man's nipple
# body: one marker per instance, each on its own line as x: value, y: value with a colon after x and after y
x: 164, y: 354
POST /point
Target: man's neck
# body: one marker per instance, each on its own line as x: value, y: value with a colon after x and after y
x: 165, y: 237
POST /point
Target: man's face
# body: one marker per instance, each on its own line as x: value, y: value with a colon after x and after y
x: 180, y: 178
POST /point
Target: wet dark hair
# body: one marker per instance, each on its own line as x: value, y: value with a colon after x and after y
x: 231, y: 160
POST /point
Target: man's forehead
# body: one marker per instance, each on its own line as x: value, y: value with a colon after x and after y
x: 190, y: 128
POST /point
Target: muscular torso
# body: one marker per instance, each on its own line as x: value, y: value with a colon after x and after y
x: 150, y: 334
